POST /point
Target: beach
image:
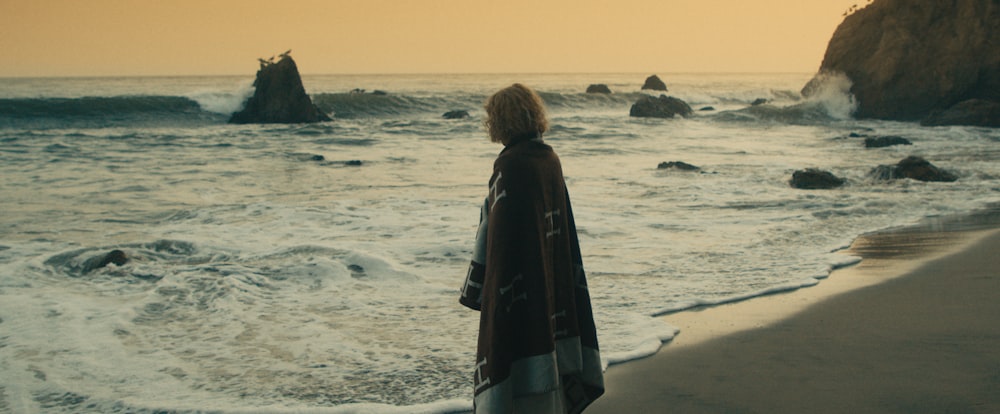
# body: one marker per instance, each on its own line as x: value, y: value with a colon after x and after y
x: 913, y: 328
x: 317, y: 267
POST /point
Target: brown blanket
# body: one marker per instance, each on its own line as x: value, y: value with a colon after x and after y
x: 538, y: 347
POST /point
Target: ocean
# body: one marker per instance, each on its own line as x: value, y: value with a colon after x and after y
x: 316, y: 267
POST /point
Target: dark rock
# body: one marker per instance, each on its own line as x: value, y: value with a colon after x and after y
x: 886, y: 141
x: 707, y: 108
x: 598, y: 88
x: 908, y: 58
x: 456, y: 114
x: 279, y: 97
x: 977, y: 112
x: 654, y: 83
x: 662, y: 107
x: 302, y: 156
x: 815, y: 179
x: 758, y: 101
x: 677, y: 165
x: 117, y: 257
x: 913, y: 167
x: 354, y: 163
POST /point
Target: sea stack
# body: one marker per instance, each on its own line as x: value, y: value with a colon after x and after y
x: 908, y: 59
x: 655, y: 84
x: 279, y: 97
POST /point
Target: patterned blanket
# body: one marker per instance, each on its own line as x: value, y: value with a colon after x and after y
x: 538, y: 350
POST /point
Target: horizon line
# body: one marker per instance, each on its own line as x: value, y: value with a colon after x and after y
x: 304, y: 74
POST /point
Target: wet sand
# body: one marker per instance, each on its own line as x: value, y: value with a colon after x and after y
x: 913, y: 328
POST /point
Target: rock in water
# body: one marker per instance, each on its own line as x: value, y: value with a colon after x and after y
x: 677, y: 165
x: 913, y: 167
x: 117, y: 257
x: 456, y: 114
x: 662, y: 107
x: 654, y: 83
x: 598, y: 88
x: 907, y: 58
x: 814, y: 179
x: 279, y: 97
x: 886, y: 141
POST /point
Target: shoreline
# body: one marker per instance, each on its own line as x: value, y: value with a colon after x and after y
x: 747, y: 342
x: 882, y: 255
x: 712, y: 322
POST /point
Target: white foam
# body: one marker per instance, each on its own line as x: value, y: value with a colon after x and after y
x: 833, y: 92
x: 222, y: 102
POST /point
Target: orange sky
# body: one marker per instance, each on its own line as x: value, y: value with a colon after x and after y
x: 215, y: 37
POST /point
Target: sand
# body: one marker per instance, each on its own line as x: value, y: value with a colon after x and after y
x: 913, y: 328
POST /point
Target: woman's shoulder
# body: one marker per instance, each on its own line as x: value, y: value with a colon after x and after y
x: 527, y: 160
x: 527, y: 151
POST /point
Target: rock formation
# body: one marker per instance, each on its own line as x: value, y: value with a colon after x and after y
x: 279, y: 97
x: 913, y: 167
x: 662, y: 107
x: 886, y: 141
x: 654, y: 83
x: 815, y: 179
x: 909, y: 58
x: 598, y: 88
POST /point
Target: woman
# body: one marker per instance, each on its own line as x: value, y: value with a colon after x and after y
x: 537, y: 349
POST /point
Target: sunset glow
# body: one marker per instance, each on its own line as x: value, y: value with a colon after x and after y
x: 217, y: 37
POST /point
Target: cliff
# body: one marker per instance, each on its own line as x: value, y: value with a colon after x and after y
x: 910, y: 58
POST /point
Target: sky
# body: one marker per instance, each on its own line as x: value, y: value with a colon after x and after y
x: 226, y: 37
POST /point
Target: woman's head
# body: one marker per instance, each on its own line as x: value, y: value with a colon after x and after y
x: 515, y: 113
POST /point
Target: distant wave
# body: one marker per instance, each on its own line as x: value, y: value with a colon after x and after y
x: 95, y: 111
x: 368, y: 105
x: 95, y: 106
x: 211, y: 107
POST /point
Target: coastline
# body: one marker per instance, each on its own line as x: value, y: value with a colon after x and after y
x: 911, y: 328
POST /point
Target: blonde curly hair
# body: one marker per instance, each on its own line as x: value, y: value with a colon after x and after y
x: 515, y: 113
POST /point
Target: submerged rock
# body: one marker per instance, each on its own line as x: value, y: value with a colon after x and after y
x: 305, y: 157
x: 677, y: 165
x: 654, y: 83
x: 662, y: 107
x: 907, y: 59
x: 116, y: 257
x: 456, y: 114
x: 912, y: 167
x: 886, y: 141
x: 815, y: 179
x: 279, y: 97
x: 598, y: 88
